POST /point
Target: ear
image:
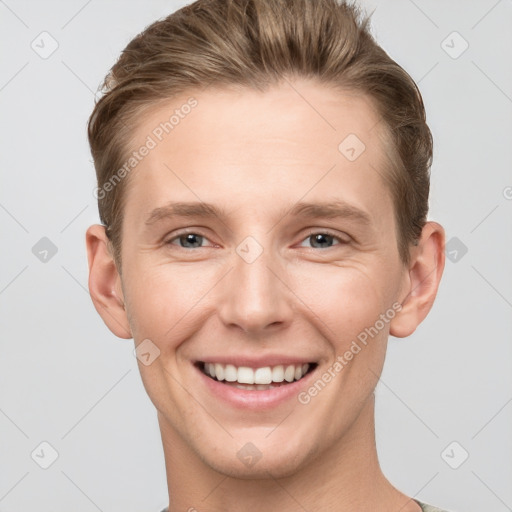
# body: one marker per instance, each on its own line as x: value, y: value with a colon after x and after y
x: 421, y: 281
x: 105, y: 286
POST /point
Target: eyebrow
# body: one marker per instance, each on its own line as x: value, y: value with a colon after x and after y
x: 330, y: 210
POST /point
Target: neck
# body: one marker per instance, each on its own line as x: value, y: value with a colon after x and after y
x: 347, y: 477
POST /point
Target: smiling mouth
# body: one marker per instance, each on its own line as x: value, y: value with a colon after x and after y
x: 267, y: 377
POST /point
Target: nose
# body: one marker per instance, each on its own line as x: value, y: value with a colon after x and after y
x: 255, y: 296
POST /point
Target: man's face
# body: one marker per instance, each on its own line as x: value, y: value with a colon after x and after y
x: 261, y: 285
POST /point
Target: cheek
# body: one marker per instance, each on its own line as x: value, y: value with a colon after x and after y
x: 162, y: 300
x: 346, y: 298
x: 168, y: 302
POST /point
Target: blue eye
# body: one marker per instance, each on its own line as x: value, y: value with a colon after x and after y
x: 188, y: 238
x: 324, y: 240
x: 319, y: 240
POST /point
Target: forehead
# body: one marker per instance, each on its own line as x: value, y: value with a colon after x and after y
x: 260, y: 150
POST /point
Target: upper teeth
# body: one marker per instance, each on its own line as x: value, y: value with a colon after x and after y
x: 265, y: 375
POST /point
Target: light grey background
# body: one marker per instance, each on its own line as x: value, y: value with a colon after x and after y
x: 65, y: 379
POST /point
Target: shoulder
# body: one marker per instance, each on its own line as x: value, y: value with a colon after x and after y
x: 425, y: 507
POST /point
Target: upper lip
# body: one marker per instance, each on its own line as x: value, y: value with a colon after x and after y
x: 258, y: 362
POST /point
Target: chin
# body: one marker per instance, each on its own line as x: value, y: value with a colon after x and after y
x: 276, y: 466
x: 258, y: 456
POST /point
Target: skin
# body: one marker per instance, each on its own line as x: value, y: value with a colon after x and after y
x: 257, y: 154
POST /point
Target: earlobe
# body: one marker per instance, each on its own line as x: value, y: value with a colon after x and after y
x: 105, y: 283
x: 422, y: 281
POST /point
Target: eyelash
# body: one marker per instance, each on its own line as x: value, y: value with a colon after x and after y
x: 309, y: 235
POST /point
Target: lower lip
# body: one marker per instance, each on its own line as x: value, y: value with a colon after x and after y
x: 254, y: 399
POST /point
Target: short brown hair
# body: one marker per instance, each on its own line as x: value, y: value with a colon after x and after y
x: 255, y: 43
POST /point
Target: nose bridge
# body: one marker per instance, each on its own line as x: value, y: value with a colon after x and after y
x: 254, y: 298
